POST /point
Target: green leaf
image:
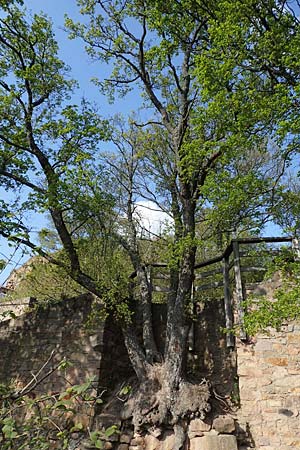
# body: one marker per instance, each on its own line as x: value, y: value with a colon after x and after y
x: 111, y: 430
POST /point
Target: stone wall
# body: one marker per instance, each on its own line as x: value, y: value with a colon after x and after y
x: 269, y: 383
x: 209, y: 356
x: 215, y: 434
x: 16, y: 307
x: 61, y: 330
x: 268, y: 371
x: 28, y: 341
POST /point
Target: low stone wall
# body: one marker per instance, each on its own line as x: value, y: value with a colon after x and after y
x: 28, y: 341
x: 12, y: 308
x: 217, y: 434
x: 269, y: 384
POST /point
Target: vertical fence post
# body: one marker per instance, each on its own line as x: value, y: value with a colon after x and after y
x: 191, y: 335
x: 149, y: 277
x: 296, y: 248
x: 239, y: 289
x: 227, y: 303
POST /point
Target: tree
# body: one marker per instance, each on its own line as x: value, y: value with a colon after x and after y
x: 287, y: 206
x: 184, y: 146
x: 47, y: 146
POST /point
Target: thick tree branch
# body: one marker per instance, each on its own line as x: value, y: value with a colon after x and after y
x: 23, y: 181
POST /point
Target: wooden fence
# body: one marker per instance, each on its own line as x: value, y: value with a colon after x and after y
x: 228, y: 260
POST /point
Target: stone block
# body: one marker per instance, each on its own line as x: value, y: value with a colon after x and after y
x: 220, y: 442
x: 109, y: 446
x: 151, y: 442
x: 262, y: 441
x: 167, y: 442
x: 265, y: 381
x: 193, y: 434
x: 249, y: 394
x: 251, y: 372
x: 277, y: 361
x: 294, y: 338
x: 263, y: 345
x: 224, y: 424
x: 106, y: 421
x: 292, y: 382
x: 137, y: 440
x: 198, y: 425
x: 125, y: 438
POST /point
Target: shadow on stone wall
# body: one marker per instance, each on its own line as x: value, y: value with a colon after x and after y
x: 28, y: 341
x: 210, y: 358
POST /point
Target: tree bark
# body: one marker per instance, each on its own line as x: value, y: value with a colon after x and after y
x: 152, y: 354
x: 136, y: 355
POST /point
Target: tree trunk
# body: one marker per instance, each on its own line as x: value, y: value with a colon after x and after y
x: 152, y: 354
x: 136, y: 355
x: 178, y: 322
x: 163, y: 395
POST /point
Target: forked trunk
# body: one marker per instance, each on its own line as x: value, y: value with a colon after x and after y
x: 163, y: 396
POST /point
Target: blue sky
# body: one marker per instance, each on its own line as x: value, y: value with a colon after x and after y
x: 73, y: 53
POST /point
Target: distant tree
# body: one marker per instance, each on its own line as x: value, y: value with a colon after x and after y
x: 286, y: 211
x: 47, y: 146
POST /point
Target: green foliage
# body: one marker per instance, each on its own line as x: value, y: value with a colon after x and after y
x: 47, y: 283
x: 287, y: 210
x: 98, y: 438
x: 217, y: 94
x: 38, y: 422
x: 110, y: 268
x: 47, y: 144
x: 251, y: 68
x: 263, y: 313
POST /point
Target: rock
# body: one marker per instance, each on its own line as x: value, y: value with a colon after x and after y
x: 106, y: 421
x: 88, y: 445
x: 167, y: 442
x: 125, y: 438
x: 123, y: 447
x: 193, y: 434
x: 209, y: 442
x: 224, y: 424
x: 156, y: 432
x: 198, y: 425
x: 137, y: 440
x: 108, y: 446
x: 127, y: 409
x: 151, y: 442
x: 211, y: 433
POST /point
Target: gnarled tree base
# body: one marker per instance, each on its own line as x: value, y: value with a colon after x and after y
x: 155, y: 402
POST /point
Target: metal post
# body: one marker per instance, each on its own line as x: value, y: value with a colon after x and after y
x: 227, y: 303
x: 239, y: 289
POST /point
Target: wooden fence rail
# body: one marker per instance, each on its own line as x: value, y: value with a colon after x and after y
x: 232, y: 252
